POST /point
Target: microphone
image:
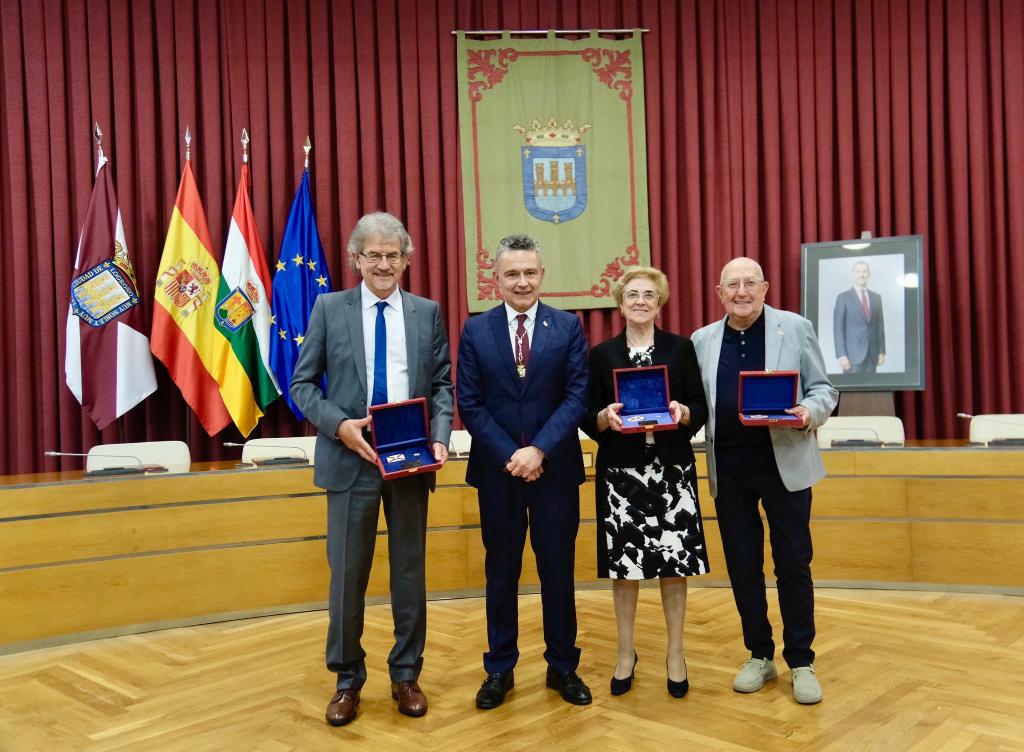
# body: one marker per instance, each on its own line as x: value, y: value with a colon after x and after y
x: 1000, y: 440
x: 278, y: 460
x: 137, y: 469
x: 853, y: 442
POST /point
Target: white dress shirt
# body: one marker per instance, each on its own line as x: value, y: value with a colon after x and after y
x: 513, y: 324
x: 862, y: 296
x: 398, y: 357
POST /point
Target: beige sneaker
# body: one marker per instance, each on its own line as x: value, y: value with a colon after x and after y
x: 754, y: 674
x: 806, y: 689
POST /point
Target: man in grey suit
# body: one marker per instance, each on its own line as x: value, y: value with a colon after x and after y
x: 858, y: 325
x: 776, y: 466
x: 375, y: 343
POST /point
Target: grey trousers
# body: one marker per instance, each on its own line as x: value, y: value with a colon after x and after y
x: 351, y: 534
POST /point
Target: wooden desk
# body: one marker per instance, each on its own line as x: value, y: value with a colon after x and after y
x: 84, y: 558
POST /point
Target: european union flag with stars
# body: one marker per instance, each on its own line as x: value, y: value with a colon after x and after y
x: 301, y: 275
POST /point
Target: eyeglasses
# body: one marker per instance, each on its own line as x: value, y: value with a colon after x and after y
x: 648, y: 296
x: 751, y: 283
x: 374, y: 258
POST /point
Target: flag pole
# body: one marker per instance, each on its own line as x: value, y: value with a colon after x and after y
x: 307, y: 147
x: 245, y: 146
x: 188, y: 144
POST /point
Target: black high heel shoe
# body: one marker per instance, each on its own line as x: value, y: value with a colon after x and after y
x: 678, y: 689
x: 621, y: 686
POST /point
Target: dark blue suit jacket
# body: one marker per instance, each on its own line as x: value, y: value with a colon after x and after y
x: 504, y: 412
x: 855, y: 337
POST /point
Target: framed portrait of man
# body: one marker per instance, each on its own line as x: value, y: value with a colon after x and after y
x: 865, y: 298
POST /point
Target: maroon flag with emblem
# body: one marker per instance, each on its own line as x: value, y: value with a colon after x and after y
x: 107, y: 363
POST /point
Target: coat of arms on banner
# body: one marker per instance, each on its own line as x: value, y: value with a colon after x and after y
x: 564, y: 117
x: 103, y: 293
x: 237, y: 307
x: 554, y: 170
x: 185, y: 284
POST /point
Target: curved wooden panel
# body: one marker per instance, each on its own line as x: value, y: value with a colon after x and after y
x: 115, y: 555
x: 114, y: 593
x: 941, y: 462
x: 81, y: 495
x: 53, y: 540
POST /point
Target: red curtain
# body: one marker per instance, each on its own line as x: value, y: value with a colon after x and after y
x: 770, y: 123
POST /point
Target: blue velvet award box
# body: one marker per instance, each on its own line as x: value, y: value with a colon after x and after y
x: 401, y: 438
x: 764, y: 397
x: 643, y: 393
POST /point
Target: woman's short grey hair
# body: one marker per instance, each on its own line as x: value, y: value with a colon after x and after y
x: 377, y: 224
x: 518, y: 242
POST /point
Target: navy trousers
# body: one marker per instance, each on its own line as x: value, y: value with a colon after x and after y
x: 739, y: 521
x: 507, y: 508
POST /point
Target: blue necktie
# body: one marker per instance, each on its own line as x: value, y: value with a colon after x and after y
x: 380, y: 358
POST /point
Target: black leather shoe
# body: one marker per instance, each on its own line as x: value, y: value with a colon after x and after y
x: 492, y: 692
x: 621, y: 686
x: 678, y: 689
x: 570, y: 686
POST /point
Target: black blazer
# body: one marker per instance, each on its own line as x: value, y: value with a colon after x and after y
x: 684, y: 384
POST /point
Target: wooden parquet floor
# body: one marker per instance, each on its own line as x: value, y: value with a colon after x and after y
x: 900, y: 671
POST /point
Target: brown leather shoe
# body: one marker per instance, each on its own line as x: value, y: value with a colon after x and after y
x: 342, y: 708
x: 411, y: 700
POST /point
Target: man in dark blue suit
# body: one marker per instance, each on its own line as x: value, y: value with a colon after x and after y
x: 858, y: 325
x: 522, y: 393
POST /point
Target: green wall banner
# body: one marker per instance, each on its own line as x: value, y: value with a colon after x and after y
x: 553, y: 145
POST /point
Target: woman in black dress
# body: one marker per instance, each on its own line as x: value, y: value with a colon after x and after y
x: 646, y: 482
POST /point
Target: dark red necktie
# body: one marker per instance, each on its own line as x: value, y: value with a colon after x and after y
x: 864, y: 304
x: 522, y: 345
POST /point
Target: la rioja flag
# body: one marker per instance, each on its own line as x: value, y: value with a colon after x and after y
x: 242, y: 316
x: 107, y: 362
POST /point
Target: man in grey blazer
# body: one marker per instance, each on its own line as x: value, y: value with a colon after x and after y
x: 776, y: 466
x: 858, y: 325
x: 375, y: 344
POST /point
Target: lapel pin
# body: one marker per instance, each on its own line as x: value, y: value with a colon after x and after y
x: 545, y: 322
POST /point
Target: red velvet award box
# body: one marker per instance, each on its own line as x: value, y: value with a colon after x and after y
x: 643, y: 393
x: 401, y: 438
x: 765, y: 396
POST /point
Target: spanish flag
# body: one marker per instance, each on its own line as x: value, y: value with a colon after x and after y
x: 243, y: 318
x: 185, y: 337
